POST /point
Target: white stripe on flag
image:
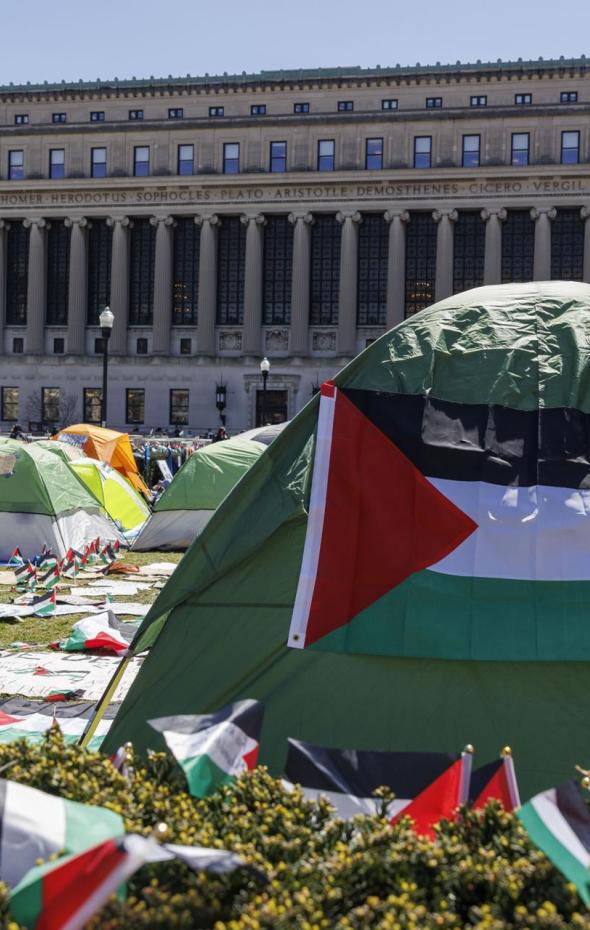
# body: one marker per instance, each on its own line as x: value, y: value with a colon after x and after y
x: 347, y: 806
x: 33, y: 827
x: 546, y: 807
x: 315, y: 522
x: 225, y: 744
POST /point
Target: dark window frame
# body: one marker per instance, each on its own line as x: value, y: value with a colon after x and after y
x: 5, y: 404
x: 374, y: 155
x: 141, y: 345
x: 324, y: 158
x: 185, y: 345
x: 518, y: 247
x: 277, y: 163
x: 135, y: 115
x: 56, y: 345
x: 417, y: 154
x: 570, y: 148
x: 139, y: 420
x: 178, y: 414
x: 301, y: 107
x: 12, y: 176
x: 94, y: 165
x: 58, y: 274
x: 230, y: 161
x: 277, y: 270
x: 48, y: 404
x: 59, y: 117
x: 373, y: 256
x: 175, y: 112
x: 326, y: 243
x: 390, y: 103
x: 514, y: 152
x: 467, y: 152
x: 97, y: 116
x: 469, y: 250
x: 258, y: 109
x: 181, y: 161
x: 92, y: 398
x: 17, y: 261
x: 421, y: 247
x: 142, y: 261
x: 523, y: 100
x: 137, y: 163
x: 99, y: 248
x: 568, y: 96
x: 231, y: 272
x: 345, y: 106
x: 185, y: 272
x: 478, y: 100
x: 216, y: 112
x: 54, y: 173
x: 18, y: 345
x: 434, y: 103
x: 21, y: 119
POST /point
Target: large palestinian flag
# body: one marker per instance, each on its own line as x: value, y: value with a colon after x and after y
x: 423, y: 530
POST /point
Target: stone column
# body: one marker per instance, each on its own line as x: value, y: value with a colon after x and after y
x: 207, y: 311
x: 77, y: 285
x: 36, y: 286
x: 348, y: 288
x: 4, y: 227
x: 542, y: 261
x: 163, y: 284
x: 119, y: 283
x: 492, y: 269
x: 252, y: 332
x: 585, y: 214
x: 444, y: 253
x: 300, y: 283
x: 396, y: 266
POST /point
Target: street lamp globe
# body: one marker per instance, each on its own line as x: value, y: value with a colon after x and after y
x: 264, y: 366
x: 106, y: 319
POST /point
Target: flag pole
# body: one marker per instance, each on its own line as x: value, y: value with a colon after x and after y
x: 104, y: 702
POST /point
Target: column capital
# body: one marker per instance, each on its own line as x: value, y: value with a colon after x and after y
x: 356, y: 217
x: 390, y: 215
x: 306, y: 218
x: 123, y: 221
x: 258, y: 218
x: 501, y: 213
x: 165, y: 219
x: 584, y: 213
x: 212, y: 219
x: 80, y: 221
x: 451, y: 215
x: 4, y: 224
x: 40, y: 222
x: 537, y: 212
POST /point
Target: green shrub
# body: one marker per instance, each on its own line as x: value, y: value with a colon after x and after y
x: 482, y: 874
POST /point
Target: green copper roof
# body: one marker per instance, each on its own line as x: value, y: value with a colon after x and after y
x: 298, y: 74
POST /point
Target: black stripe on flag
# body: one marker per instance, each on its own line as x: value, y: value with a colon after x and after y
x: 247, y: 715
x: 358, y: 773
x: 21, y: 707
x: 481, y: 442
x: 481, y: 776
x: 575, y: 810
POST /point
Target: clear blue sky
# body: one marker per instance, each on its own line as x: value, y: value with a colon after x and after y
x: 72, y: 39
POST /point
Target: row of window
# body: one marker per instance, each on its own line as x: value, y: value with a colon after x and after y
x: 342, y: 106
x: 51, y: 405
x: 567, y: 256
x: 277, y: 159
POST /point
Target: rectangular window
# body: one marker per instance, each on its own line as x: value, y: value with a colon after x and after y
x: 58, y: 270
x: 471, y: 151
x: 100, y: 239
x: 141, y: 346
x: 98, y: 346
x: 518, y: 247
x: 141, y: 161
x: 175, y: 113
x: 373, y: 249
x: 568, y: 96
x: 326, y: 155
x: 17, y: 261
x: 231, y: 158
x: 16, y: 165
x: 231, y: 267
x: 389, y: 104
x: 216, y: 111
x: 373, y: 154
x: 421, y: 236
x: 523, y: 100
x: 59, y: 118
x: 434, y: 103
x: 567, y: 245
x: 469, y: 250
x: 345, y: 106
x: 479, y: 100
x: 57, y: 163
x: 422, y: 151
x: 570, y: 148
x: 326, y: 237
x: 186, y: 159
x: 185, y: 272
x: 21, y: 119
x: 278, y: 157
x: 92, y: 405
x: 520, y: 148
x: 142, y: 254
x: 179, y: 406
x: 97, y: 116
x: 10, y: 404
x: 98, y: 163
x: 134, y: 405
x: 186, y: 346
x: 301, y: 107
x: 18, y: 345
x: 136, y: 114
x: 277, y: 270
x: 50, y: 397
x: 59, y: 345
x: 258, y: 109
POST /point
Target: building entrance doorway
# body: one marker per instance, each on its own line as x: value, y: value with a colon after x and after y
x: 273, y: 409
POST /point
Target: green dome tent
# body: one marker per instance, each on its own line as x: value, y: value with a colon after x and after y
x: 423, y: 530
x: 198, y: 488
x: 67, y: 452
x: 43, y: 503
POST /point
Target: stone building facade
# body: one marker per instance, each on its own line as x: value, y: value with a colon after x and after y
x: 294, y: 215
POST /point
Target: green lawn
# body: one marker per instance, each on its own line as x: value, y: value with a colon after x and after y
x: 44, y: 630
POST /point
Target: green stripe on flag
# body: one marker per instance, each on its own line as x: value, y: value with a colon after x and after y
x: 204, y: 776
x: 87, y: 826
x: 561, y: 858
x: 26, y: 900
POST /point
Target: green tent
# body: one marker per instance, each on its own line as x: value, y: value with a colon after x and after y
x: 198, y: 488
x: 66, y: 451
x: 493, y: 386
x: 43, y: 503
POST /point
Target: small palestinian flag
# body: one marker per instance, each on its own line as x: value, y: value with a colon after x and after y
x: 116, y: 546
x: 65, y: 895
x: 26, y: 577
x: 16, y: 558
x: 495, y: 781
x: 441, y: 799
x: 100, y: 631
x: 50, y: 579
x: 213, y: 749
x: 47, y: 561
x: 30, y: 720
x: 69, y: 568
x: 35, y: 825
x: 44, y: 606
x: 558, y: 822
x: 107, y: 556
x: 348, y: 778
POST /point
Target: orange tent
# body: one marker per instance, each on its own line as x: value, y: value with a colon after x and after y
x: 106, y: 445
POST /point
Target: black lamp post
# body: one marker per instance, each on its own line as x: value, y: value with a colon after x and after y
x: 264, y: 370
x: 106, y: 320
x: 221, y: 401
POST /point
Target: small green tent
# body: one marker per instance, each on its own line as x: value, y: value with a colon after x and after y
x: 198, y: 488
x: 43, y: 503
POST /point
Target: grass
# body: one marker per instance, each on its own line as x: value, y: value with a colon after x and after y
x: 41, y: 631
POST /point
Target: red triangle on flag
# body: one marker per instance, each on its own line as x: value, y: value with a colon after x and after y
x: 251, y: 758
x: 440, y: 799
x: 383, y: 521
x: 500, y: 787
